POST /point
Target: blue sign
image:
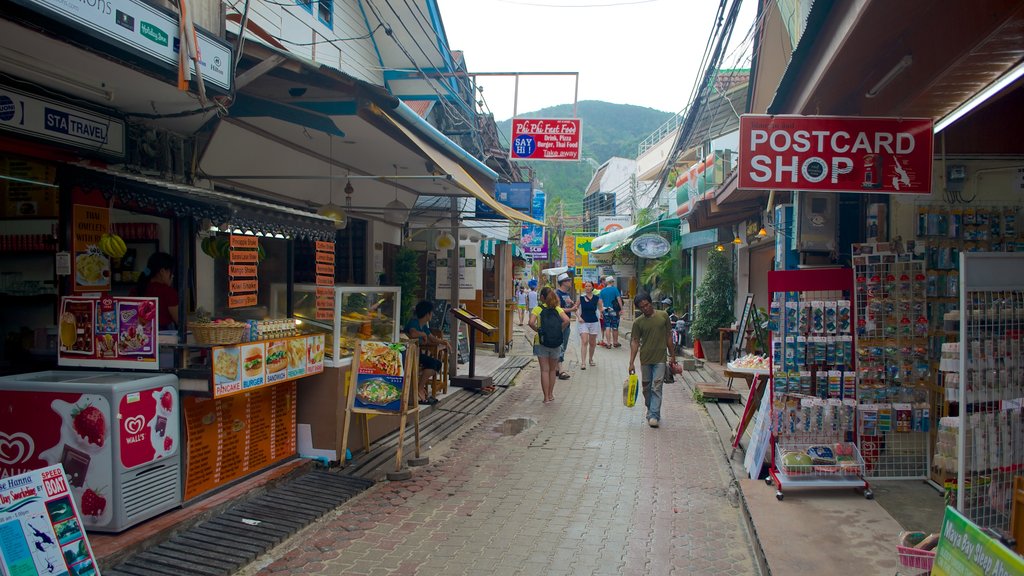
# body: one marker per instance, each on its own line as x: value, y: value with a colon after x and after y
x: 535, y: 242
x: 515, y: 195
x: 524, y: 146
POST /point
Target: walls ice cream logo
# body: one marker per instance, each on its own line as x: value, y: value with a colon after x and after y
x: 135, y: 424
x: 15, y: 448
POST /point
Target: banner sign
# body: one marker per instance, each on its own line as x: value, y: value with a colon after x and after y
x: 63, y: 123
x: 606, y: 224
x: 324, y: 277
x: 836, y: 154
x: 242, y: 367
x: 40, y: 527
x: 582, y: 248
x: 964, y: 550
x: 545, y: 139
x: 516, y: 195
x: 244, y: 255
x: 92, y: 266
x: 534, y: 238
x: 108, y: 332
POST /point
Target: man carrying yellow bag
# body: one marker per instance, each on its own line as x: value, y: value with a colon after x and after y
x: 651, y: 337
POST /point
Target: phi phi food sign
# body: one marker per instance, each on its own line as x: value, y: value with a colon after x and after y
x: 836, y: 154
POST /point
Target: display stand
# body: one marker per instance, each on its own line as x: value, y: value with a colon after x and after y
x: 381, y: 386
x: 475, y: 324
x: 812, y: 381
x: 754, y: 396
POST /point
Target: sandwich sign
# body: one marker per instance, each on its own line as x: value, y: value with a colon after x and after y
x: 836, y: 154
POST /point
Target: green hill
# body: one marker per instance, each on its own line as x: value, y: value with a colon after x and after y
x: 608, y: 130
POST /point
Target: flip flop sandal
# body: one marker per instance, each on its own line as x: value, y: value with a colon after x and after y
x: 564, y: 376
x: 593, y: 363
x: 617, y: 345
x: 582, y: 367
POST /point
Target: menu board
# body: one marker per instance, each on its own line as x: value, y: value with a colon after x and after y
x: 111, y: 332
x: 250, y: 365
x: 380, y: 378
x: 92, y: 266
x: 231, y: 437
x: 324, y: 280
x: 243, y: 285
x: 40, y: 527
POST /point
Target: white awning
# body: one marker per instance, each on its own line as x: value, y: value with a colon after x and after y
x: 612, y: 237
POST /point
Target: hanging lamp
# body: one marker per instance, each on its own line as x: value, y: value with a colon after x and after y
x: 396, y: 211
x: 332, y: 210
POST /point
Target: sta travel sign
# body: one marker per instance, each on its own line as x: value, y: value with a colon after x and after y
x: 836, y: 154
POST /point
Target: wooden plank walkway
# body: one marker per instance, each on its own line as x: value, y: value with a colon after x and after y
x: 725, y: 416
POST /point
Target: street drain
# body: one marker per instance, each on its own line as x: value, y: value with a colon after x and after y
x: 514, y: 426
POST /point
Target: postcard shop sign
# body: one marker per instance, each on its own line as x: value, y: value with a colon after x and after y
x: 836, y: 154
x: 545, y: 139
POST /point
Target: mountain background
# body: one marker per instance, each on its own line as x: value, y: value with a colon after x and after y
x: 607, y: 130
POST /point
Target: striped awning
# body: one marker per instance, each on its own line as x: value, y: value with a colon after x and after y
x: 487, y: 248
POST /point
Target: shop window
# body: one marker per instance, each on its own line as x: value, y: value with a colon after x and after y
x: 325, y: 12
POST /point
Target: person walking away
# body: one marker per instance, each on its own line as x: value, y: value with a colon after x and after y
x: 590, y: 324
x: 564, y: 286
x: 418, y: 328
x: 531, y: 296
x: 612, y: 300
x: 651, y: 337
x: 550, y: 322
x: 521, y: 302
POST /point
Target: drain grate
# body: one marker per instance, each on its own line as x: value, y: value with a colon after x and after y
x: 237, y: 536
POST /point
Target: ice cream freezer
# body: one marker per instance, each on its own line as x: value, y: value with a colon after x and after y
x: 116, y: 434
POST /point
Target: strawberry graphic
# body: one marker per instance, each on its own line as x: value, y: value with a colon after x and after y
x: 168, y: 442
x: 166, y: 401
x: 93, y: 503
x: 90, y: 423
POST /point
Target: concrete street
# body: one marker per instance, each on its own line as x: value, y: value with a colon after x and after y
x: 581, y: 486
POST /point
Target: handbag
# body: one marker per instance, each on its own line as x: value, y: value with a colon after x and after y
x: 630, y: 388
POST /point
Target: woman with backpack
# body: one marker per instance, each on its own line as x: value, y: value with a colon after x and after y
x: 549, y: 321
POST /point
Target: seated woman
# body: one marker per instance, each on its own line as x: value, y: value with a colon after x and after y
x: 418, y: 328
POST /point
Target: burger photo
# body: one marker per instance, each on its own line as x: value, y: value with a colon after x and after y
x: 277, y: 357
x: 253, y: 365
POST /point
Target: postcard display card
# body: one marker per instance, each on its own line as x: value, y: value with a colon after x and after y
x: 108, y: 333
x: 40, y: 528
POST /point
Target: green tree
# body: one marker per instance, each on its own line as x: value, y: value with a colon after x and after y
x: 714, y: 298
x: 407, y: 277
x: 667, y: 276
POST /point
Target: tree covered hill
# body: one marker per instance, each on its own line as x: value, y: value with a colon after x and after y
x: 607, y: 130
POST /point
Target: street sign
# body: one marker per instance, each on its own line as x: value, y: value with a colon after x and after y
x: 545, y: 139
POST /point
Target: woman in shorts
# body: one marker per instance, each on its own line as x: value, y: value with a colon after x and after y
x: 521, y: 301
x: 547, y: 356
x: 590, y: 324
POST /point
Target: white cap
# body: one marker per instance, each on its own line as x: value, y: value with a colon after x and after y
x: 563, y: 276
x: 610, y: 280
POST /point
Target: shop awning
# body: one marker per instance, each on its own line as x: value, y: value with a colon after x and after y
x: 241, y: 212
x: 611, y: 238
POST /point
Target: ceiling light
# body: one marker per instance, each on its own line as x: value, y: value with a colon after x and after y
x: 396, y: 210
x: 762, y: 232
x: 335, y: 213
x: 891, y: 75
x: 737, y: 241
x: 720, y: 248
x: 980, y: 98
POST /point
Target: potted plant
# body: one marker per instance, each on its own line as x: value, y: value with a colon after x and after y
x: 714, y: 303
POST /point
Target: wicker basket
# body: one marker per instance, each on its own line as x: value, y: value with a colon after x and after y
x: 208, y: 333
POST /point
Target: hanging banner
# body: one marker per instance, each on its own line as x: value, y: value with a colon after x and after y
x: 836, y: 154
x: 243, y: 287
x: 92, y: 266
x: 324, y: 280
x: 534, y: 239
x: 108, y: 332
x: 40, y: 526
x: 545, y: 139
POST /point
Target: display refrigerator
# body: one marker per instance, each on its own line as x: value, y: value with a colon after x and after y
x: 115, y: 433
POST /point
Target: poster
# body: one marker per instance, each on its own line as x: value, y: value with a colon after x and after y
x: 40, y: 529
x: 534, y: 237
x: 964, y: 550
x: 108, y: 332
x: 381, y: 377
x: 231, y: 437
x: 92, y: 266
x: 471, y: 274
x: 246, y: 366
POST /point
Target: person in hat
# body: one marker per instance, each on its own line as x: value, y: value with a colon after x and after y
x: 564, y: 296
x: 611, y: 298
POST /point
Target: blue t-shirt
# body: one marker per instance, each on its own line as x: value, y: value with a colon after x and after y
x: 414, y: 323
x: 609, y: 294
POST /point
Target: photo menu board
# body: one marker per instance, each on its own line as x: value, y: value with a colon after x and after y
x: 380, y: 378
x: 111, y: 332
x: 324, y: 280
x: 249, y: 365
x: 231, y: 437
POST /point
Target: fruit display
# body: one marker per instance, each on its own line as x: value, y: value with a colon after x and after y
x: 751, y: 362
x: 112, y: 245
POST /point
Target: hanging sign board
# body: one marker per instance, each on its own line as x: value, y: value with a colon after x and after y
x: 243, y: 287
x: 324, y: 280
x: 40, y: 526
x: 534, y: 238
x: 650, y: 246
x: 92, y: 266
x: 545, y: 139
x: 836, y: 154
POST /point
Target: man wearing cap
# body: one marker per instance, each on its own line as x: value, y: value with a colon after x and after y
x: 568, y: 306
x: 611, y: 299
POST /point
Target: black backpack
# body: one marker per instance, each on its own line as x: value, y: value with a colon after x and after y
x: 550, y: 328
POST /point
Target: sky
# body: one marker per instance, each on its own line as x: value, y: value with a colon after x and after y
x: 641, y: 52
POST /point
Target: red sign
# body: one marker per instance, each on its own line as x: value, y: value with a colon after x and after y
x: 545, y: 139
x: 836, y: 154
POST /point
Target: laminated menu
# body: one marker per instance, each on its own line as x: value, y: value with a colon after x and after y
x: 110, y: 332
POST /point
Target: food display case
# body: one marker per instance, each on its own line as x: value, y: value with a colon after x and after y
x: 360, y: 313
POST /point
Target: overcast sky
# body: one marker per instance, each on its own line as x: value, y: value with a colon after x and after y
x: 641, y: 52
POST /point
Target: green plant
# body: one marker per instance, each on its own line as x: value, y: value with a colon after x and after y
x: 407, y: 277
x: 666, y: 275
x: 714, y: 298
x: 698, y: 396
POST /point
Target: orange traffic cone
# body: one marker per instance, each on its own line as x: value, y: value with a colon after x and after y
x: 698, y: 352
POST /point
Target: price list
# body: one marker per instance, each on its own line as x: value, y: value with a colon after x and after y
x: 324, y: 280
x: 233, y: 436
x: 242, y: 271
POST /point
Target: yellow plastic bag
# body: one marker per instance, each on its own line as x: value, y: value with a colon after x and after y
x: 629, y: 390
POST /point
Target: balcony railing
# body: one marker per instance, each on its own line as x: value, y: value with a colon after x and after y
x: 661, y: 133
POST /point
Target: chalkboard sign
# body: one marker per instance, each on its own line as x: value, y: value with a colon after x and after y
x: 740, y: 338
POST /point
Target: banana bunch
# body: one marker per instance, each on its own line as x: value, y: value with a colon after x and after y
x: 112, y: 245
x: 219, y: 247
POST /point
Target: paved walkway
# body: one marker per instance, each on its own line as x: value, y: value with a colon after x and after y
x: 580, y: 486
